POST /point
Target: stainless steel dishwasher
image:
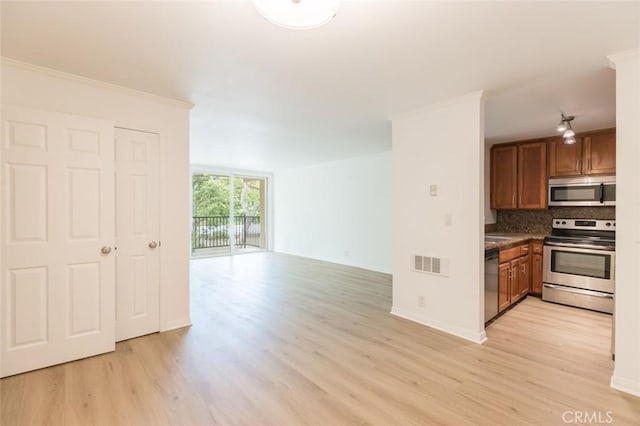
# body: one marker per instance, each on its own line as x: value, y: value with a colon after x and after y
x: 490, y: 283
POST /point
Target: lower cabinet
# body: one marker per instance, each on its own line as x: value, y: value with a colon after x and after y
x: 514, y: 285
x: 514, y: 275
x: 504, y: 279
x: 524, y: 279
x: 536, y: 268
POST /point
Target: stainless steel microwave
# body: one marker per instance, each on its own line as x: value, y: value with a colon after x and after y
x: 583, y: 191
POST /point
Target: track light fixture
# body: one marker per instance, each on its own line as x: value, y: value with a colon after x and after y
x: 564, y: 127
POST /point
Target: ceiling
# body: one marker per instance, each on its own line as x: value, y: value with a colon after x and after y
x: 268, y: 98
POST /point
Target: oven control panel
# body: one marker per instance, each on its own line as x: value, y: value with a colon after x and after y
x: 590, y: 224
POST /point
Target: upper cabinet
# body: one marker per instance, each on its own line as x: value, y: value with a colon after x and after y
x: 565, y: 160
x: 504, y: 175
x: 594, y: 153
x: 599, y: 153
x: 532, y: 175
x: 519, y: 176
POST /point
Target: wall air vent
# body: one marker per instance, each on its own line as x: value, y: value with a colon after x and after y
x: 430, y: 265
x: 426, y: 264
x: 435, y: 265
x: 417, y: 263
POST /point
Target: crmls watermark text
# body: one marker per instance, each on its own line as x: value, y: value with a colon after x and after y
x: 587, y: 417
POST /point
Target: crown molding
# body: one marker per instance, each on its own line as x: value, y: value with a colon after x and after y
x: 6, y: 61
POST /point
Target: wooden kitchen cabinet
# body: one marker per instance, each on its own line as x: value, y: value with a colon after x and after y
x: 532, y: 176
x: 594, y: 153
x: 504, y: 279
x: 565, y: 160
x: 513, y: 275
x: 514, y: 288
x: 524, y: 275
x: 519, y: 176
x: 536, y: 268
x: 536, y: 274
x: 599, y: 152
x: 504, y: 175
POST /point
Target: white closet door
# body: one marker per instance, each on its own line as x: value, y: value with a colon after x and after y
x: 137, y: 234
x: 58, y: 278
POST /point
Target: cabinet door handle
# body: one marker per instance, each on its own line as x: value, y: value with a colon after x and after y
x: 513, y: 199
x: 579, y: 166
x: 589, y: 164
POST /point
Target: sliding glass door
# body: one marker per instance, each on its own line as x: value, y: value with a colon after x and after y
x: 211, y: 209
x: 229, y: 214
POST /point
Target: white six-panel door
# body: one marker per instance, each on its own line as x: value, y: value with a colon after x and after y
x: 137, y: 234
x: 57, y: 233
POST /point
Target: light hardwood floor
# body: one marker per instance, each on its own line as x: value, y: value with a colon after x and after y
x: 281, y: 340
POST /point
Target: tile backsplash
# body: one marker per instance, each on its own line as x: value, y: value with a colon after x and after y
x: 539, y: 221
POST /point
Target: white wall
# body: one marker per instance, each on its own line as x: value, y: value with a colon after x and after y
x: 626, y: 376
x: 441, y: 144
x: 30, y: 86
x: 338, y: 211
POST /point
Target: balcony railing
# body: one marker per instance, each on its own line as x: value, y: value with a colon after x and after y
x: 214, y: 231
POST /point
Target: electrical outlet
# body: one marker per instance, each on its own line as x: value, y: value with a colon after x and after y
x: 422, y: 301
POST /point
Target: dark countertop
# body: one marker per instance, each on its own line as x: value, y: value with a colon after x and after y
x: 515, y: 240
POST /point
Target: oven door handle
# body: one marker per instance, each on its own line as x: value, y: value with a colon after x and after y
x: 577, y: 291
x: 583, y: 246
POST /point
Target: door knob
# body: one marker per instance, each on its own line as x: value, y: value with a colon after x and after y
x: 153, y: 245
x: 105, y: 250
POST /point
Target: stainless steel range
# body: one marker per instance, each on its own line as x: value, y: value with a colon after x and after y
x: 579, y: 264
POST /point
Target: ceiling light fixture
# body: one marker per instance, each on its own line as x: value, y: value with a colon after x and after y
x: 562, y: 126
x: 298, y: 14
x: 565, y: 128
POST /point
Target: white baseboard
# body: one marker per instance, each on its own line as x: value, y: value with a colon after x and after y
x: 466, y: 334
x: 176, y: 323
x: 625, y: 385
